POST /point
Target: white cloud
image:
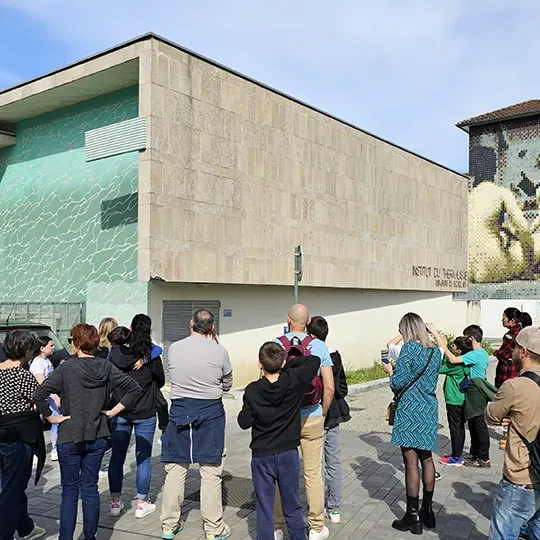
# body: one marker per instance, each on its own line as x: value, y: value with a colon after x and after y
x: 407, y: 71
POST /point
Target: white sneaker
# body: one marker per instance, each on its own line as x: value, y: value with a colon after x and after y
x: 116, y: 508
x: 278, y: 534
x: 54, y: 455
x: 143, y: 509
x: 334, y: 516
x: 322, y: 535
x: 37, y: 532
x: 103, y: 474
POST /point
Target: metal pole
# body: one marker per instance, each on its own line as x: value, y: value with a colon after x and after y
x: 297, y: 270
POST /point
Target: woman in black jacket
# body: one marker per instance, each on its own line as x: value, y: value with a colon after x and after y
x: 337, y: 414
x: 84, y: 384
x: 21, y: 436
x: 137, y: 361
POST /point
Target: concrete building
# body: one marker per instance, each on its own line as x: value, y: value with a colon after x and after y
x: 147, y: 178
x: 504, y: 223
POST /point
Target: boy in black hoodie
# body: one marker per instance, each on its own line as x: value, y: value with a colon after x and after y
x: 272, y: 409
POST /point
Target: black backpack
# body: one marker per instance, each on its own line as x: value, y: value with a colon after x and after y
x: 534, y: 446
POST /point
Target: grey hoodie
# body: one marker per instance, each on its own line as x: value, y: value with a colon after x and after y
x: 84, y: 386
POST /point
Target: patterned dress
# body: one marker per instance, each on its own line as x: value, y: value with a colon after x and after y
x: 505, y: 367
x: 415, y: 423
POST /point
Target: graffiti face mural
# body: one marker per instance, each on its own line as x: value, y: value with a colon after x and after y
x: 504, y: 222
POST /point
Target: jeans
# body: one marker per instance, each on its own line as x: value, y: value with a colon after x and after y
x: 479, y: 438
x: 144, y: 440
x: 332, y: 468
x: 311, y: 444
x: 79, y: 470
x: 456, y: 424
x: 513, y: 508
x: 16, y: 470
x: 283, y: 469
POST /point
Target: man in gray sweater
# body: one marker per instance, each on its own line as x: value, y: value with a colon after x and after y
x: 200, y: 372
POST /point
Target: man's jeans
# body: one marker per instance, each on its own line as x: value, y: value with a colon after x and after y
x: 16, y: 470
x: 79, y: 470
x: 332, y: 468
x: 144, y: 440
x: 513, y: 508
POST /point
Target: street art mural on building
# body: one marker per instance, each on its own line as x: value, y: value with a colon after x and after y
x: 504, y: 221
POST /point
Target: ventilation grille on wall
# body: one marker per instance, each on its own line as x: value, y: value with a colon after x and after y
x: 115, y: 139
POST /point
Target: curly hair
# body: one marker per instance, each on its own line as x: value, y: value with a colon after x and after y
x: 141, y: 339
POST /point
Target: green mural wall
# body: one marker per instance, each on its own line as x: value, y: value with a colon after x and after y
x: 69, y: 228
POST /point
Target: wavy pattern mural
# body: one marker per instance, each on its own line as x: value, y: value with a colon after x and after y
x: 68, y: 228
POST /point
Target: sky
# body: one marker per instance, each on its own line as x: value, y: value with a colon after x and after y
x: 405, y: 70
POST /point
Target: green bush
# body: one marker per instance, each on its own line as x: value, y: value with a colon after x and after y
x: 356, y: 376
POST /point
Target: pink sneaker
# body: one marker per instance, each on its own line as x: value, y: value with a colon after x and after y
x: 116, y: 508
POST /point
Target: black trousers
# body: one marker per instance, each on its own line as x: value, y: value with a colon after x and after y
x: 456, y: 424
x: 479, y: 438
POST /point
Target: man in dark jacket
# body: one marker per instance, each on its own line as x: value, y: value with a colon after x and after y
x: 337, y: 414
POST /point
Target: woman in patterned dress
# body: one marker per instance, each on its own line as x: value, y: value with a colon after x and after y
x: 416, y: 421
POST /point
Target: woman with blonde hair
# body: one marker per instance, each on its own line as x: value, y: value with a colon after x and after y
x: 415, y: 430
x: 106, y: 326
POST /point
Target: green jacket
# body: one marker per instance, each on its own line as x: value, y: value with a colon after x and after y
x: 479, y: 394
x: 455, y: 373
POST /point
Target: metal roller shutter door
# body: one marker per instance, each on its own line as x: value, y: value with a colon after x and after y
x: 177, y: 316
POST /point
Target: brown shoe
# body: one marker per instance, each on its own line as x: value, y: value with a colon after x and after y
x: 477, y: 463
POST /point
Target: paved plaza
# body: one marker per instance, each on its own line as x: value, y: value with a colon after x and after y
x: 373, y: 486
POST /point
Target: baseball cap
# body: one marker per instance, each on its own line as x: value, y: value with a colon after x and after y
x: 529, y: 338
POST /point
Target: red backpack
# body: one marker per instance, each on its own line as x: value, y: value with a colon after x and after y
x: 294, y: 348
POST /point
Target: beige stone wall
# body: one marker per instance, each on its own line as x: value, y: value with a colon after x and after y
x: 236, y: 175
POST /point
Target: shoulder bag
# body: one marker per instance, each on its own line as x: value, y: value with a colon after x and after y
x: 392, y: 407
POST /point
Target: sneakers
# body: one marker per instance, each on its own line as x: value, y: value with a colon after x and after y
x: 37, y: 532
x: 226, y: 533
x: 116, y: 508
x: 169, y: 534
x: 438, y: 475
x: 450, y: 460
x: 334, y: 516
x: 322, y: 535
x: 54, y: 455
x: 278, y: 534
x: 477, y: 463
x: 103, y: 474
x: 143, y: 509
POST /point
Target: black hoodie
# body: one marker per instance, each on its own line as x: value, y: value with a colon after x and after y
x: 84, y: 386
x: 150, y: 377
x: 272, y: 410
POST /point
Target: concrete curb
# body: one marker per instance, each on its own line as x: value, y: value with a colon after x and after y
x: 353, y: 388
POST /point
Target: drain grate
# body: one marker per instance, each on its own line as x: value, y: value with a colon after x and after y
x: 237, y: 492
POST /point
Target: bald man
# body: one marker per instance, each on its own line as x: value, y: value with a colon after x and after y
x: 312, y: 435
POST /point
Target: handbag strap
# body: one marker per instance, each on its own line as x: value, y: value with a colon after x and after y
x: 415, y: 380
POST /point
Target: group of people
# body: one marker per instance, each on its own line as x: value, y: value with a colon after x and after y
x: 513, y: 403
x: 111, y: 386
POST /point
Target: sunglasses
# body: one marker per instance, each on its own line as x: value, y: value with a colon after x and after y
x: 70, y: 340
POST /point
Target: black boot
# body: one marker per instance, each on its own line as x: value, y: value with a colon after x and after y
x: 426, y: 512
x: 411, y: 519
